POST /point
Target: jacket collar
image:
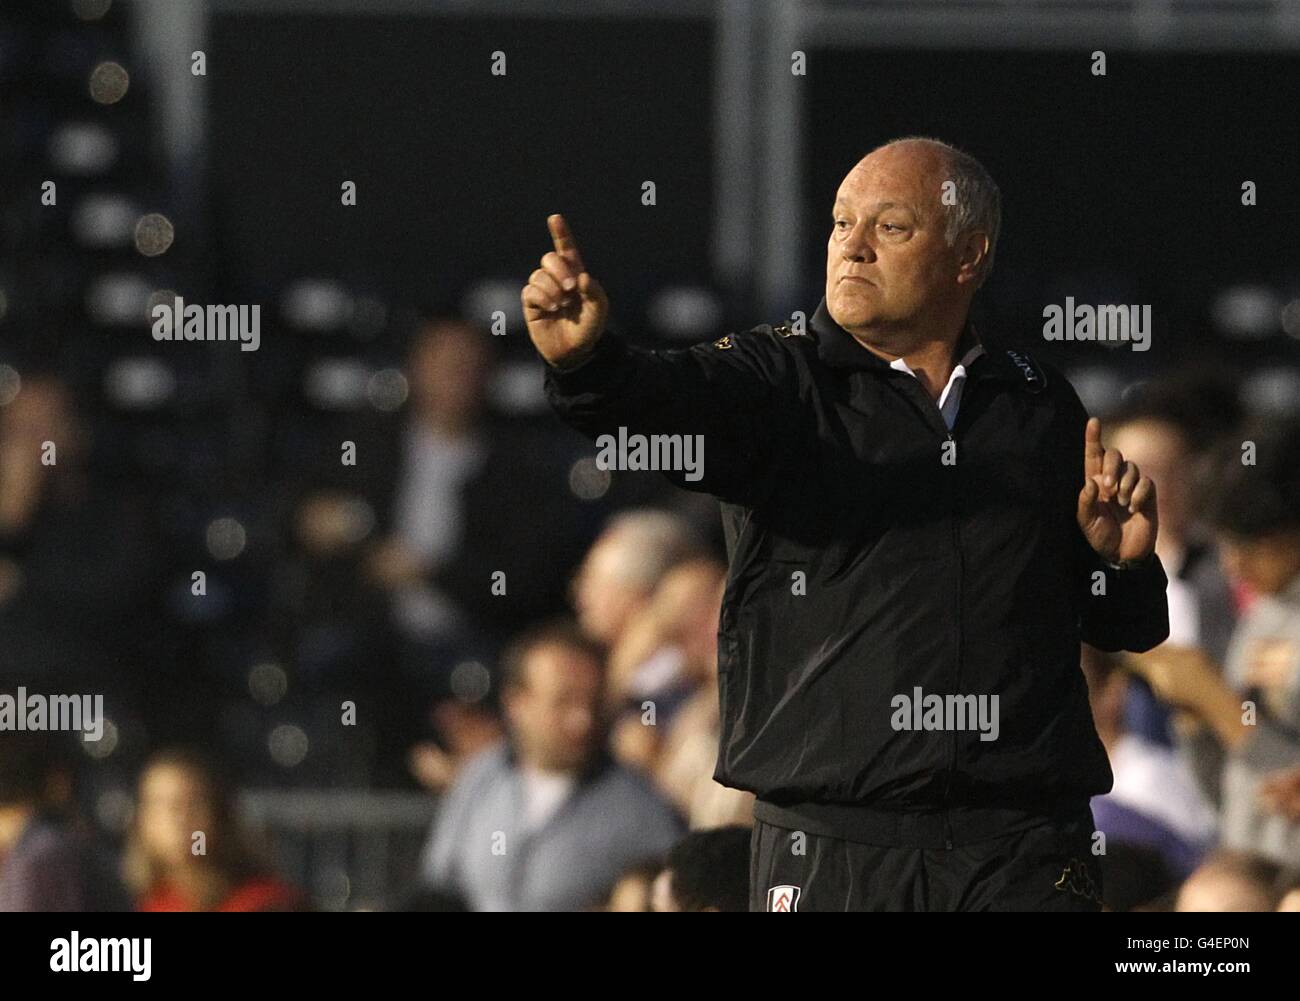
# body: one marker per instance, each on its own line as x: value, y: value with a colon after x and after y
x: 840, y: 349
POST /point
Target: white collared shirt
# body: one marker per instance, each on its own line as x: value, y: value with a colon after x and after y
x: 429, y: 512
x: 950, y: 398
x: 544, y: 794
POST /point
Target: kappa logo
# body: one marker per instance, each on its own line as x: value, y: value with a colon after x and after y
x: 1033, y: 376
x: 1076, y: 879
x: 783, y: 898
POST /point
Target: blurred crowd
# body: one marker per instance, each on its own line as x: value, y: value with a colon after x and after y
x: 1203, y: 732
x: 573, y: 762
x: 391, y: 590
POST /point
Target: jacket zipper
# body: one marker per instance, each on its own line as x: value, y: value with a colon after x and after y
x: 956, y: 542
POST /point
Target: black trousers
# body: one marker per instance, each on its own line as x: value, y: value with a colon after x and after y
x: 1046, y: 867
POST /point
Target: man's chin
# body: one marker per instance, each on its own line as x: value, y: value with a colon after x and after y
x: 850, y: 311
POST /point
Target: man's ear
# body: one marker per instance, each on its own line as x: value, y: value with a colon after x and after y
x: 974, y: 248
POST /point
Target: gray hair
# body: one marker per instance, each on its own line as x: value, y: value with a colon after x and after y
x: 651, y: 542
x: 979, y: 202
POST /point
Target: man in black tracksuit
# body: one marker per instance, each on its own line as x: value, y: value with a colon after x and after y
x: 920, y: 532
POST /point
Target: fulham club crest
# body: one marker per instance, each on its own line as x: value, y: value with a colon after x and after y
x: 783, y: 898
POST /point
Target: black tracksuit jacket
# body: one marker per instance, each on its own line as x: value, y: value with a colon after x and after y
x: 959, y: 577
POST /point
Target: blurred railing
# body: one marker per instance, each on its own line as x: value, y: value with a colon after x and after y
x: 346, y: 850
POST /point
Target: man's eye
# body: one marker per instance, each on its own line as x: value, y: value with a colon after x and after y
x: 891, y: 226
x: 841, y: 222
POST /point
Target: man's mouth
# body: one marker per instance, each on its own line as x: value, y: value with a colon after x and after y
x: 856, y: 278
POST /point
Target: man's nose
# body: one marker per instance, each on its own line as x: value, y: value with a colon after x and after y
x: 858, y: 247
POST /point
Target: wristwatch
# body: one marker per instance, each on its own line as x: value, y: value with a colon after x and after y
x: 1128, y: 564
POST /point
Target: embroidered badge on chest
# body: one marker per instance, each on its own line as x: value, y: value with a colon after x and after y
x: 783, y: 898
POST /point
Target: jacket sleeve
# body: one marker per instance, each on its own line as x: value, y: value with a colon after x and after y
x: 1122, y: 609
x: 440, y: 862
x: 728, y: 392
x: 1131, y: 612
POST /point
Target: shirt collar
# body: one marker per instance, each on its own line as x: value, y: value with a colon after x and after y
x: 958, y: 371
x: 840, y: 349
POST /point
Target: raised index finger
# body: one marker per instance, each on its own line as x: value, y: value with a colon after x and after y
x: 565, y: 245
x: 1092, y: 450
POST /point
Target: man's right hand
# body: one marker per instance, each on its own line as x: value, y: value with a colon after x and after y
x: 565, y: 308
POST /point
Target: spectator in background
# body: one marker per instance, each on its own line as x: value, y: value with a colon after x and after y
x: 329, y: 627
x: 460, y: 497
x: 465, y: 731
x: 387, y: 581
x: 681, y: 750
x: 616, y: 580
x: 1162, y: 429
x: 326, y: 620
x: 1257, y: 514
x: 546, y: 821
x: 706, y: 871
x: 1201, y: 607
x: 1155, y: 802
x: 76, y: 557
x: 634, y: 891
x: 186, y: 851
x: 47, y: 863
x: 1255, y: 507
x: 668, y: 653
x: 1231, y: 882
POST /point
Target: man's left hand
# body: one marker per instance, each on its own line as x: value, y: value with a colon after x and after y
x: 1117, y: 505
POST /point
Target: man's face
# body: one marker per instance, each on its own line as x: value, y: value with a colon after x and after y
x: 1268, y: 564
x: 603, y: 597
x: 449, y: 370
x: 1221, y: 892
x: 1159, y: 450
x: 887, y: 264
x: 173, y: 805
x: 554, y: 713
x: 688, y: 603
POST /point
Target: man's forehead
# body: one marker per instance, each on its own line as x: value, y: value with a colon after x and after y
x: 894, y: 174
x: 880, y: 205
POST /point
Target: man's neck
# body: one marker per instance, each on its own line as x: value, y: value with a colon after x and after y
x: 537, y: 771
x: 202, y: 886
x: 931, y: 357
x: 446, y: 424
